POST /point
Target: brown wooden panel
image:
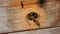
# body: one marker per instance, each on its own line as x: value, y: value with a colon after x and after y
x: 48, y: 15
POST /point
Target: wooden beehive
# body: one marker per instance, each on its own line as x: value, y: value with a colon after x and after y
x: 48, y: 15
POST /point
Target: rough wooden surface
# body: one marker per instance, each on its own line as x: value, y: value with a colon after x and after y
x: 42, y: 31
x: 14, y: 18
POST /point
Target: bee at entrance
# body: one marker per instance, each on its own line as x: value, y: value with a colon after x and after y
x: 33, y: 16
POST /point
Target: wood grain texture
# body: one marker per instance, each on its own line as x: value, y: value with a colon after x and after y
x: 16, y: 17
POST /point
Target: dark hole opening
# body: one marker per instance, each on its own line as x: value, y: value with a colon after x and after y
x: 32, y: 15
